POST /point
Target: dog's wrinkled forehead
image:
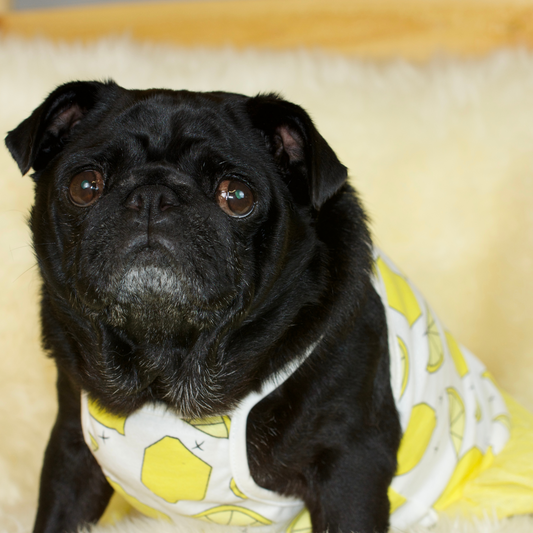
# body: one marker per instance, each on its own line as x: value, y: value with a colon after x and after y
x: 159, y: 121
x: 175, y: 127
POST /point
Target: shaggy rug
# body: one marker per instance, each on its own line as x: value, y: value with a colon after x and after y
x: 442, y: 154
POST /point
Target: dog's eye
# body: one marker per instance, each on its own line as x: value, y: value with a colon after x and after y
x: 85, y: 188
x: 235, y: 198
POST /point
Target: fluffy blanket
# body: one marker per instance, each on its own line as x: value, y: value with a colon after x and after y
x: 442, y: 154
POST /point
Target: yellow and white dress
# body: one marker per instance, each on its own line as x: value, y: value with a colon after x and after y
x: 467, y: 447
x: 454, y: 419
x: 452, y: 415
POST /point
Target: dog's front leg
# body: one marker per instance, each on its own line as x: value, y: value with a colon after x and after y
x: 352, y: 492
x: 73, y: 489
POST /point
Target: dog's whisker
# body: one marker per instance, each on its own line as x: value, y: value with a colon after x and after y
x: 35, y: 265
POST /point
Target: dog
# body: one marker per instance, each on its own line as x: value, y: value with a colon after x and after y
x: 229, y: 344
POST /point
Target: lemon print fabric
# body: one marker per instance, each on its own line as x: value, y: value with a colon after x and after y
x: 94, y: 444
x: 173, y: 472
x: 478, y: 411
x: 457, y: 355
x: 416, y: 438
x: 232, y: 515
x: 301, y: 524
x: 452, y: 415
x: 505, y: 420
x: 488, y: 375
x: 436, y: 348
x: 216, y: 426
x: 404, y: 363
x: 105, y: 417
x: 400, y: 295
x: 235, y: 490
x: 135, y: 503
x: 468, y: 466
x: 396, y: 500
x: 457, y: 418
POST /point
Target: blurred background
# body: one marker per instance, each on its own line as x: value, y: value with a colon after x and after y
x: 411, y: 29
x: 36, y: 4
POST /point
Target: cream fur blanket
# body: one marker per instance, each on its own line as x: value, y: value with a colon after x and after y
x: 442, y: 155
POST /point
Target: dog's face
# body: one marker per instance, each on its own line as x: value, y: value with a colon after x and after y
x: 157, y: 200
x: 176, y: 235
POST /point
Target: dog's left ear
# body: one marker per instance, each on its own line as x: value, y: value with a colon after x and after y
x: 36, y: 140
x: 312, y: 170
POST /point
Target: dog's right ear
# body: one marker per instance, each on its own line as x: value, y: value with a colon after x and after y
x: 309, y: 164
x: 36, y: 140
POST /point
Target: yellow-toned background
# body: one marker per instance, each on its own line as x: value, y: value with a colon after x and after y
x: 413, y: 29
x: 428, y: 102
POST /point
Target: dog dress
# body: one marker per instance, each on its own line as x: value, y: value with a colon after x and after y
x: 454, y: 421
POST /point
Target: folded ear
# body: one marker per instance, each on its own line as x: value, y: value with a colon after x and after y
x: 313, y: 171
x: 36, y: 140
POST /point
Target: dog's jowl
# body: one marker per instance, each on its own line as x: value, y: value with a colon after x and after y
x: 229, y: 344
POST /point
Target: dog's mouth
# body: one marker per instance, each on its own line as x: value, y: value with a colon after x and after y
x: 151, y: 294
x: 150, y: 275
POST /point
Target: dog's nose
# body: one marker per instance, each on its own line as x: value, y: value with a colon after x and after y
x: 152, y: 198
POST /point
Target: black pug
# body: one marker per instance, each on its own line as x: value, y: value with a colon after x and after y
x: 192, y: 246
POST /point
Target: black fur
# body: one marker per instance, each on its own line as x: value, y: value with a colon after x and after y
x: 189, y: 306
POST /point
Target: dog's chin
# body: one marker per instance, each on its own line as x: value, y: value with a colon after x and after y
x: 156, y: 303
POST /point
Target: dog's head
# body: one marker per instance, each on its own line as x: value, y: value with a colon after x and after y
x: 180, y: 239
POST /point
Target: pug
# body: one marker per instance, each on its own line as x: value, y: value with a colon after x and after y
x: 229, y: 344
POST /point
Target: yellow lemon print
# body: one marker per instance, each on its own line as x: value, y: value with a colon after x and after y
x: 236, y: 491
x: 94, y: 444
x: 301, y: 524
x: 400, y: 296
x: 396, y: 500
x: 436, y: 349
x: 457, y: 355
x: 416, y: 438
x: 457, y: 418
x: 469, y: 466
x: 404, y: 361
x: 478, y: 412
x: 173, y: 472
x: 489, y: 376
x: 216, y: 426
x: 117, y: 509
x: 505, y: 420
x: 134, y: 502
x: 231, y: 515
x: 105, y: 417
